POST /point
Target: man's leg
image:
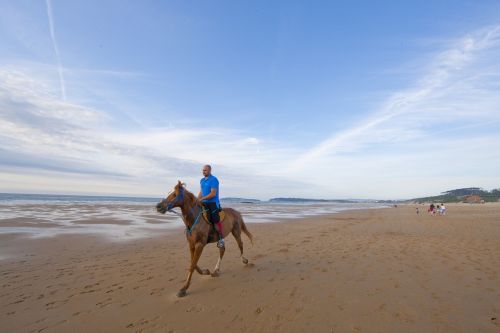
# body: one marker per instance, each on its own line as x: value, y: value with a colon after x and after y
x: 214, y: 216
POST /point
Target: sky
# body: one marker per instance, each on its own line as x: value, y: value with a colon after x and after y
x: 316, y: 99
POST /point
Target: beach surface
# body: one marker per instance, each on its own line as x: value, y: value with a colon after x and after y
x: 373, y: 270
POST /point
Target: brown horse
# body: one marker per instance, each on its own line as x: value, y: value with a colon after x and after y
x: 199, y: 231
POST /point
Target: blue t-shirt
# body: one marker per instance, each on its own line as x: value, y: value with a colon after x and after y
x: 207, y: 184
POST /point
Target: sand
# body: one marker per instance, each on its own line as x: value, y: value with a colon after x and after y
x: 383, y: 270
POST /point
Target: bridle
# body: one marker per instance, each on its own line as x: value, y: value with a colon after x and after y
x: 177, y: 199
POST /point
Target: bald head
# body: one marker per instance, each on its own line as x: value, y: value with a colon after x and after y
x: 207, y: 170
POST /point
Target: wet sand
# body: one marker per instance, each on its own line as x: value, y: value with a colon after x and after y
x: 382, y: 270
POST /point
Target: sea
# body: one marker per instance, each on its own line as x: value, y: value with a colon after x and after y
x: 123, y: 218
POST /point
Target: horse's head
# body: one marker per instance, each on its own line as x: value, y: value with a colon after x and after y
x: 174, y: 199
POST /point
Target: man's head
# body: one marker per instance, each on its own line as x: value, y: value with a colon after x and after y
x: 207, y: 170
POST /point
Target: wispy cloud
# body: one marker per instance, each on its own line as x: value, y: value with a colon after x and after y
x: 458, y: 85
x: 39, y: 131
x: 56, y: 48
x: 440, y: 132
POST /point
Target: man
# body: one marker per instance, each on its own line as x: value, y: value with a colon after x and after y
x: 209, y: 197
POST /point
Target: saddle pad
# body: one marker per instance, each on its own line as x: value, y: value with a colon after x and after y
x: 222, y: 215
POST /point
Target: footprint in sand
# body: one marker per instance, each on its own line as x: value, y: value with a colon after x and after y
x: 141, y: 322
x: 156, y: 291
x: 258, y: 256
x: 55, y: 304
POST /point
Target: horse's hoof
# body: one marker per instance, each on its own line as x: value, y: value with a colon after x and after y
x: 245, y: 261
x: 182, y: 293
x: 206, y: 272
x: 215, y: 273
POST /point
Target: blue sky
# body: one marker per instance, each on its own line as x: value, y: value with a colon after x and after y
x: 284, y: 98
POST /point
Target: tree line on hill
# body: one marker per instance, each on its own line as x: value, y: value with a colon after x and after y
x: 458, y: 195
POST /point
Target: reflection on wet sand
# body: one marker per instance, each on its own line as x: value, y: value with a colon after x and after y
x: 122, y: 220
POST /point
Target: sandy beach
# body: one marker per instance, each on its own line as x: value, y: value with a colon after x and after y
x: 376, y: 270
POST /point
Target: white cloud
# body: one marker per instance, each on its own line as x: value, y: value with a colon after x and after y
x: 251, y: 141
x: 455, y: 87
x: 38, y: 131
x: 439, y: 134
x: 458, y: 88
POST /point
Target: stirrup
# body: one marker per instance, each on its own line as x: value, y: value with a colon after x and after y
x: 220, y: 243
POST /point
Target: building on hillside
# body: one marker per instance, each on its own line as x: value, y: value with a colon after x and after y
x: 473, y: 199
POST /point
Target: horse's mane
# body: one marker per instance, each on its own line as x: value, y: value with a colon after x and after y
x: 191, y: 196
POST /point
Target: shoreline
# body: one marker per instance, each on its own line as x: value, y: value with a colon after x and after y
x: 137, y: 226
x: 375, y: 270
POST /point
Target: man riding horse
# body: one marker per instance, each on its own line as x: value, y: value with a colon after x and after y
x: 199, y: 231
x: 209, y: 197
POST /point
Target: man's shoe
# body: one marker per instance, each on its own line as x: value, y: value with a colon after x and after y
x: 220, y: 243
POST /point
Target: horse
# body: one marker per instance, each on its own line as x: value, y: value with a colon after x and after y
x: 200, y: 232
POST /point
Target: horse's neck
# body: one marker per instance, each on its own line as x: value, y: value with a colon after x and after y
x: 190, y: 212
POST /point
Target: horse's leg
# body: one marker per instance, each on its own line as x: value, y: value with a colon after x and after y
x: 198, y: 249
x: 217, y: 266
x: 237, y: 235
x: 198, y: 269
x: 191, y: 249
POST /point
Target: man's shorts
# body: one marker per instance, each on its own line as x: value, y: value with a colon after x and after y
x: 213, y: 211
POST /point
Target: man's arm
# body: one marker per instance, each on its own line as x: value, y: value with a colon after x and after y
x: 213, y: 193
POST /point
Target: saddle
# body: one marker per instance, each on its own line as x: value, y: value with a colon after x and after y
x: 222, y: 215
x: 213, y: 235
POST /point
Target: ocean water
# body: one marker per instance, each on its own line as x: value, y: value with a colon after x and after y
x: 123, y: 218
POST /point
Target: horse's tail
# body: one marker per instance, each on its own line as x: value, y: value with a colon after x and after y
x: 245, y: 230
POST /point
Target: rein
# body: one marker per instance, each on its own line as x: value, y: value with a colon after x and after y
x: 190, y: 230
x: 178, y: 198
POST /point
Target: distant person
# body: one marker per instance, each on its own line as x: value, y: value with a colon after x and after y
x: 431, y: 209
x: 443, y: 209
x: 209, y: 197
x: 417, y: 211
x: 438, y: 209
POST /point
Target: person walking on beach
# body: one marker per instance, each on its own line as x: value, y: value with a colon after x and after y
x: 209, y: 197
x: 431, y: 209
x: 443, y: 209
